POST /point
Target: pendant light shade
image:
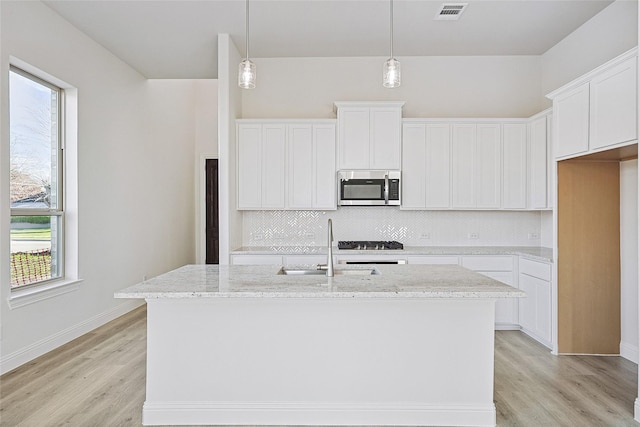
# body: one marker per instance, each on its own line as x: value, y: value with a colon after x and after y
x: 247, y: 69
x: 391, y: 68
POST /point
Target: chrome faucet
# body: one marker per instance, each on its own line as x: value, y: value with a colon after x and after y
x: 330, y: 249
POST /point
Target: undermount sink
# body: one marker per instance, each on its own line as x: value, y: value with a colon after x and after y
x: 316, y: 272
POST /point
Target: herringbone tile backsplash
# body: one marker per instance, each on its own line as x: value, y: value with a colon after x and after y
x: 413, y: 228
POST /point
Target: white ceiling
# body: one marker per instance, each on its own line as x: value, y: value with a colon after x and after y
x: 178, y: 39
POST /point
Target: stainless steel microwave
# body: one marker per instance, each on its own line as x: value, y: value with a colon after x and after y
x: 369, y: 188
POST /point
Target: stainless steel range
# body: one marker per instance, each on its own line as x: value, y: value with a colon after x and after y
x: 369, y: 245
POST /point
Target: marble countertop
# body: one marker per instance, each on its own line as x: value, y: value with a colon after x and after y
x: 394, y: 281
x: 532, y: 252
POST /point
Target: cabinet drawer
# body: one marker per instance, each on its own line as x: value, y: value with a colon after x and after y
x: 488, y: 263
x: 432, y: 259
x: 541, y: 270
x: 305, y: 259
x: 256, y: 259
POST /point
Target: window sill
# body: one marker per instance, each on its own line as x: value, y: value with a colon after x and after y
x: 22, y: 297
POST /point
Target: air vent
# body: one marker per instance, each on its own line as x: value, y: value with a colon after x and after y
x: 450, y: 11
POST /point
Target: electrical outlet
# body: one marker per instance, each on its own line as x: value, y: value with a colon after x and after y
x: 534, y: 236
x: 310, y: 235
x: 425, y: 236
x: 258, y: 237
x: 279, y: 236
x: 473, y: 236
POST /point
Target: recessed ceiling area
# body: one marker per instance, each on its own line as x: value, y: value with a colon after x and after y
x: 178, y: 39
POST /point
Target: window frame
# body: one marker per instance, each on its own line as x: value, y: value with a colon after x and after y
x: 59, y: 210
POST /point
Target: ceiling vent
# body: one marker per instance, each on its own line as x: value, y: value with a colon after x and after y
x: 450, y: 11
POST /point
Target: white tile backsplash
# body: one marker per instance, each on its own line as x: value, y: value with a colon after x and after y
x: 443, y: 228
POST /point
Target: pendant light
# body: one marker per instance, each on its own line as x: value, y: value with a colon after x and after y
x: 391, y: 68
x: 247, y: 69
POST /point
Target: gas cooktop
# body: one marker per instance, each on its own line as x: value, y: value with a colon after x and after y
x: 369, y: 245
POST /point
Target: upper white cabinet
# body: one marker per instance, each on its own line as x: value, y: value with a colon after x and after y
x: 514, y: 168
x: 598, y: 110
x: 261, y: 161
x: 426, y: 154
x: 476, y: 152
x: 540, y: 164
x: 369, y: 135
x: 286, y: 165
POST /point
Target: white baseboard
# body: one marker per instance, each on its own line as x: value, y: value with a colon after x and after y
x: 506, y: 327
x: 37, y: 349
x: 629, y: 352
x: 315, y: 413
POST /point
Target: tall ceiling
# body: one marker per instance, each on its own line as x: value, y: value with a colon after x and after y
x: 178, y: 39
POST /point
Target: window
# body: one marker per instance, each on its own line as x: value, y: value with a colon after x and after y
x: 36, y: 179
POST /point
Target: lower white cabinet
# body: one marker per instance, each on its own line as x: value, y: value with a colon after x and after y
x: 499, y: 268
x: 256, y: 259
x: 535, y: 309
x: 433, y: 259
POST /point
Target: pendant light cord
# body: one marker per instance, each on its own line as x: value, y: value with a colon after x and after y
x: 246, y: 26
x: 391, y: 26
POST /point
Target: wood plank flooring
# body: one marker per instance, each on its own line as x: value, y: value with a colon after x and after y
x: 99, y: 380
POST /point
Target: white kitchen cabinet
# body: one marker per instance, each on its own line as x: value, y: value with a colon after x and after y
x: 500, y: 268
x: 273, y: 166
x: 300, y: 260
x: 514, y: 169
x: 538, y: 164
x: 613, y: 112
x: 382, y: 258
x: 311, y: 180
x: 597, y: 110
x: 250, y: 166
x: 261, y: 166
x: 286, y: 165
x: 463, y: 154
x: 426, y: 153
x: 571, y: 115
x: 369, y: 135
x: 256, y: 259
x: 535, y: 310
x: 476, y: 166
x: 433, y: 259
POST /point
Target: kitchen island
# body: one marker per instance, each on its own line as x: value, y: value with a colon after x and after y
x: 238, y: 345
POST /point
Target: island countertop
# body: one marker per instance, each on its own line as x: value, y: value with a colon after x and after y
x: 393, y: 281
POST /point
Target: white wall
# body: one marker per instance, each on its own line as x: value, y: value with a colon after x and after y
x: 610, y: 33
x: 135, y: 178
x: 438, y: 86
x: 229, y: 109
x: 629, y: 259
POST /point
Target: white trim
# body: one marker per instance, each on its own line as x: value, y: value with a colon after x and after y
x: 463, y: 120
x: 201, y: 207
x: 32, y: 351
x: 585, y: 78
x: 299, y: 413
x: 22, y: 297
x: 636, y: 410
x: 629, y: 352
x: 287, y: 121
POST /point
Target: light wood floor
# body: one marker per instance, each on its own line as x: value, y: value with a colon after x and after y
x: 99, y: 380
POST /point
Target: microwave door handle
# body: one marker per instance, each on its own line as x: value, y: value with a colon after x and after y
x: 386, y: 189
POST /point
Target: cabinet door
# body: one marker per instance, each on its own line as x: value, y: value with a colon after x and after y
x: 488, y: 176
x: 463, y: 153
x: 413, y: 166
x: 613, y: 112
x: 527, y: 306
x: 543, y: 310
x: 249, y: 167
x: 432, y: 259
x: 300, y: 167
x: 385, y: 136
x: 571, y: 122
x: 506, y: 308
x: 438, y: 166
x: 354, y: 138
x: 514, y: 172
x: 538, y: 163
x: 324, y: 185
x: 273, y: 166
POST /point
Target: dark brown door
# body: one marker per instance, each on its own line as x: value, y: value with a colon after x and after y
x: 212, y: 235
